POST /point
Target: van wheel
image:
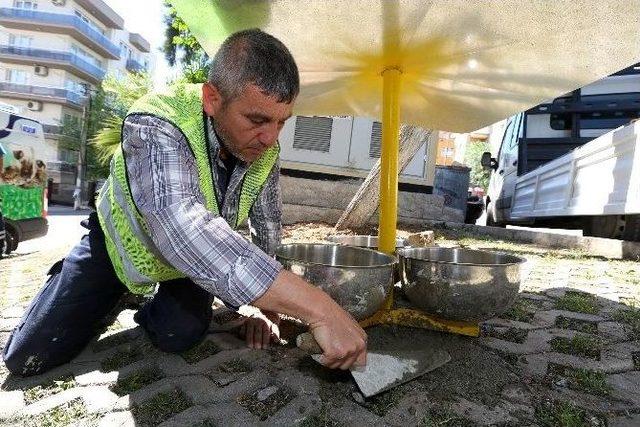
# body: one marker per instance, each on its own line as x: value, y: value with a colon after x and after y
x: 491, y: 218
x: 631, y: 228
x: 606, y: 226
x: 10, y: 239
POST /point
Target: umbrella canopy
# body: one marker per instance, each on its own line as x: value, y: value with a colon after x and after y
x: 464, y: 64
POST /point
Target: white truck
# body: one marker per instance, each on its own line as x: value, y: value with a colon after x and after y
x: 573, y: 162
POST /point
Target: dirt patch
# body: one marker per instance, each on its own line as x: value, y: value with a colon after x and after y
x: 579, y: 345
x: 580, y: 302
x: 507, y: 334
x: 136, y: 381
x: 200, y: 352
x: 161, y: 407
x: 550, y: 413
x: 48, y: 389
x: 473, y: 372
x: 267, y: 401
x: 576, y: 325
x: 585, y: 380
x: 335, y: 385
x: 521, y: 311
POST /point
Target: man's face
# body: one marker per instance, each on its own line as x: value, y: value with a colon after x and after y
x: 248, y: 124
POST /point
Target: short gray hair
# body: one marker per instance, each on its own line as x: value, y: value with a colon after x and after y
x: 254, y: 57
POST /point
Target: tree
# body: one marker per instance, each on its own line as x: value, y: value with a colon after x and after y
x: 180, y: 46
x: 108, y: 106
x: 478, y: 175
x: 117, y: 96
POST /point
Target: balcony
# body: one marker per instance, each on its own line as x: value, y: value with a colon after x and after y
x: 140, y: 42
x: 102, y: 12
x: 42, y: 93
x: 135, y: 67
x: 64, y: 60
x: 61, y: 24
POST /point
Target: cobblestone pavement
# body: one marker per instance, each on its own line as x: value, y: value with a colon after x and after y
x: 568, y: 353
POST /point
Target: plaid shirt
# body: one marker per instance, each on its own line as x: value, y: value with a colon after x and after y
x: 164, y: 184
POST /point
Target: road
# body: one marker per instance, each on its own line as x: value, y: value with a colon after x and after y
x: 64, y: 231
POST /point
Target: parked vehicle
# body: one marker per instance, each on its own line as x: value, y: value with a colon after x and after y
x: 23, y: 180
x: 573, y: 162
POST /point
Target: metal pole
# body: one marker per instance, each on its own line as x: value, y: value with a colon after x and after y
x: 80, y: 164
x: 389, y: 160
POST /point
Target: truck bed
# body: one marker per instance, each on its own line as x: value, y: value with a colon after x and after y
x: 601, y: 177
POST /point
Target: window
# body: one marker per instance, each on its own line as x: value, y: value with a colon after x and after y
x: 26, y: 4
x: 17, y: 76
x: 20, y: 41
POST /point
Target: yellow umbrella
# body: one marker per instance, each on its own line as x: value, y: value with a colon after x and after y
x: 455, y: 65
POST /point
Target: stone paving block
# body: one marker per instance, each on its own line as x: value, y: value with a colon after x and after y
x: 352, y: 414
x: 52, y: 401
x: 226, y: 341
x: 198, y: 387
x: 507, y: 323
x: 11, y: 402
x: 14, y: 312
x: 295, y: 411
x: 14, y: 382
x: 482, y: 414
x: 98, y: 399
x: 537, y: 342
x: 626, y: 386
x: 628, y: 421
x: 612, y: 331
x: 118, y: 419
x: 534, y: 297
x: 7, y: 324
x: 96, y: 377
x: 222, y: 414
x: 535, y: 365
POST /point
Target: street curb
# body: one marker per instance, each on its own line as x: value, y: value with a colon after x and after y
x: 608, y: 248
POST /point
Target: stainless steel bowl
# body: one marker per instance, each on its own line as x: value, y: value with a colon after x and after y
x: 362, y: 241
x: 358, y: 279
x: 460, y: 284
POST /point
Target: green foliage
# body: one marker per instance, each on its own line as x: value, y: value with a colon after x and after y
x: 180, y: 46
x: 631, y: 317
x: 161, y: 407
x: 123, y: 92
x: 579, y: 345
x: 563, y: 414
x: 478, y: 175
x: 579, y: 302
x: 107, y: 140
x: 113, y: 100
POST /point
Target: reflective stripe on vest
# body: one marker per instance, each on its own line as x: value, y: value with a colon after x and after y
x: 136, y: 260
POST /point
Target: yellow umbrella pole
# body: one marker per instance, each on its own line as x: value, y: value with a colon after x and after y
x: 391, y: 80
x: 389, y: 160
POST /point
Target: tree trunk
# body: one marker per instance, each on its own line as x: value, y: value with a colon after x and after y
x: 365, y: 201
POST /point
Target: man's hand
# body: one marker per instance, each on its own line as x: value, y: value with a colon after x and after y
x: 261, y: 329
x: 342, y: 340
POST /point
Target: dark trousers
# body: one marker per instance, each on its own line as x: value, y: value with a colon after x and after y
x: 78, y: 296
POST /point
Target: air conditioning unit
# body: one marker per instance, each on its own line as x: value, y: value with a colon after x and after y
x: 41, y: 70
x: 59, y: 2
x: 34, y: 105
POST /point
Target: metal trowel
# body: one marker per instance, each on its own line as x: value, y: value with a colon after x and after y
x: 385, y: 368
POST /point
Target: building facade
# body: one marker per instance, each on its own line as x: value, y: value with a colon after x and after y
x: 51, y: 53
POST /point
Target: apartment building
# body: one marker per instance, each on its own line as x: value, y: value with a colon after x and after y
x: 51, y: 53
